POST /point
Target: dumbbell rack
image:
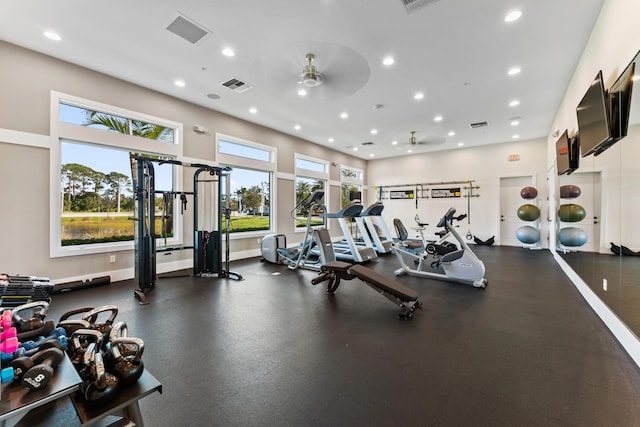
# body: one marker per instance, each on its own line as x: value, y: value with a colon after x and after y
x: 18, y: 290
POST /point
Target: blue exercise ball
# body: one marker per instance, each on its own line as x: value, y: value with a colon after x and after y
x: 528, y: 234
x: 572, y: 236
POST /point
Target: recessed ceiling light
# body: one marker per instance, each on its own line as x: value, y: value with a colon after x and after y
x: 297, y: 127
x: 253, y: 110
x: 437, y: 118
x: 394, y: 142
x: 514, y: 103
x: 213, y: 96
x: 302, y: 92
x: 388, y: 61
x: 355, y: 148
x: 409, y: 150
x: 52, y: 36
x: 179, y: 83
x: 635, y: 77
x: 513, y: 16
x: 371, y: 155
x: 515, y: 122
x: 418, y: 95
x: 330, y: 139
x: 344, y: 115
x: 460, y: 144
x: 227, y: 51
x: 513, y: 71
x: 374, y: 131
x: 452, y: 133
x: 516, y: 136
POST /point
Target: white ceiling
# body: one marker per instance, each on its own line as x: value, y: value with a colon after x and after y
x: 456, y: 52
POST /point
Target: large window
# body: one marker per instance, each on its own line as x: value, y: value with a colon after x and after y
x: 92, y: 197
x: 350, y: 185
x: 311, y: 174
x: 251, y: 184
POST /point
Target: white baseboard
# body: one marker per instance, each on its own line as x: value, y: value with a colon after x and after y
x: 623, y: 334
x: 163, y: 267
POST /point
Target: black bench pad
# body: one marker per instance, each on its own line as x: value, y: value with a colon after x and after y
x: 386, y: 284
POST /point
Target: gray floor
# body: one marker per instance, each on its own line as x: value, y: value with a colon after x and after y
x: 274, y: 350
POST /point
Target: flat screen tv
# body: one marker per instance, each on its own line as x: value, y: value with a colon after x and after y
x: 620, y: 102
x: 566, y: 153
x: 593, y: 119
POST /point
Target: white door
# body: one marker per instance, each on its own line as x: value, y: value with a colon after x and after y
x: 510, y: 201
x: 590, y: 200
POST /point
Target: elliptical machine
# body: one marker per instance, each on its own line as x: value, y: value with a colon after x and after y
x: 461, y: 266
x: 274, y: 246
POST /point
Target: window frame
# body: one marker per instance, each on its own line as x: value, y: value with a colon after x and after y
x: 311, y: 174
x: 242, y: 162
x: 67, y: 132
x: 357, y: 182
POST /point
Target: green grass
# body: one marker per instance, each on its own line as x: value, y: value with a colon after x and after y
x: 102, y: 229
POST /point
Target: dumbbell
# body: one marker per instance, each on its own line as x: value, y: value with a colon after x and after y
x: 36, y: 371
x: 6, y: 333
x: 21, y: 351
x: 38, y: 310
x: 127, y: 364
x: 58, y: 333
x: 6, y: 320
x: 9, y: 345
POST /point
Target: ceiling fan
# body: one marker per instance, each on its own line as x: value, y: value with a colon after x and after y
x: 310, y: 76
x: 413, y: 141
x: 325, y: 71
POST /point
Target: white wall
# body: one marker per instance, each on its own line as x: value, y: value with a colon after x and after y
x: 484, y: 165
x: 614, y: 42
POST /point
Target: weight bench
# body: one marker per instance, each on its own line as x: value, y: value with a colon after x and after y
x: 335, y: 271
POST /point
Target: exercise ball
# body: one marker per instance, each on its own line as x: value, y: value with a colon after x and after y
x: 527, y: 234
x: 571, y: 212
x: 569, y: 191
x: 528, y: 212
x: 572, y: 236
x: 529, y: 193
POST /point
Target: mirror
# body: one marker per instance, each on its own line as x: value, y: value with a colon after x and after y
x: 609, y: 185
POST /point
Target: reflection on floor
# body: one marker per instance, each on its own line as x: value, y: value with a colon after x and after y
x: 622, y: 274
x: 275, y: 350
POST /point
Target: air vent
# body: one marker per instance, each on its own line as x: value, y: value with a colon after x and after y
x: 237, y: 85
x: 412, y: 6
x: 478, y: 125
x: 368, y: 143
x: 187, y: 29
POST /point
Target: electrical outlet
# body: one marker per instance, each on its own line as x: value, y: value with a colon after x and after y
x: 605, y: 284
x: 112, y: 258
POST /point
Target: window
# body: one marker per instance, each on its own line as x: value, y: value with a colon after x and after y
x: 251, y: 184
x: 91, y: 189
x: 350, y: 185
x: 311, y: 174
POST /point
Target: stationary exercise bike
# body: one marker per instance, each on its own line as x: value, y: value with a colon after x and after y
x: 461, y: 265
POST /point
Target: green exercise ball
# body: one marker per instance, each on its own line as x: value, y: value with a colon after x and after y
x: 571, y: 212
x: 528, y: 212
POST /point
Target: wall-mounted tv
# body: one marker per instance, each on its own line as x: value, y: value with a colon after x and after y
x: 620, y: 102
x: 593, y: 119
x: 567, y: 157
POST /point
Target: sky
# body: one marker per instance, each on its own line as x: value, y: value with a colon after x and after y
x: 108, y: 160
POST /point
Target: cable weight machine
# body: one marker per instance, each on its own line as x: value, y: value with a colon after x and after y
x: 207, y: 247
